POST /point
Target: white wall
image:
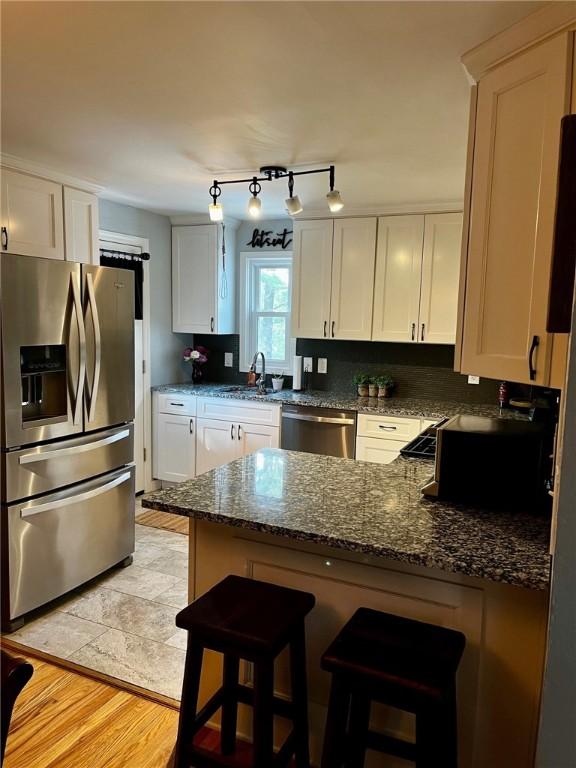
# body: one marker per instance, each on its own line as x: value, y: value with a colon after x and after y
x: 165, y: 347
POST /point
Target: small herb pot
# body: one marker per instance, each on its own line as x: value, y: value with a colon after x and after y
x: 277, y: 384
x: 362, y: 390
x: 384, y: 392
x: 373, y: 390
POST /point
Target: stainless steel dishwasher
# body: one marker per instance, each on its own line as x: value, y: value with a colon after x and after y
x: 328, y: 431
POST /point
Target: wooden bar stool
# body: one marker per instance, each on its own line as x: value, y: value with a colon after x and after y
x: 252, y: 620
x: 402, y: 663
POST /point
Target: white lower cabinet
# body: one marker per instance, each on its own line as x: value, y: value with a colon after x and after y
x: 381, y: 438
x: 216, y: 444
x: 174, y: 447
x: 256, y: 436
x: 378, y: 450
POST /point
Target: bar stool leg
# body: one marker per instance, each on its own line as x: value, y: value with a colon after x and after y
x: 299, y: 697
x: 336, y: 722
x: 358, y: 731
x: 230, y: 705
x: 189, y: 703
x: 263, y: 714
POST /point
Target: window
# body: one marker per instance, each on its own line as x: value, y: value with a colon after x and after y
x: 265, y: 310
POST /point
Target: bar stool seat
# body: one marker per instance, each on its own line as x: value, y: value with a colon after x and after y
x: 400, y: 662
x: 252, y: 620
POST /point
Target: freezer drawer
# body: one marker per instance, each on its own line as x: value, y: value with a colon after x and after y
x: 46, y: 468
x: 60, y: 541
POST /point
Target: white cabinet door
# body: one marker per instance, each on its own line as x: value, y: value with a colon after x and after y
x: 378, y: 451
x: 354, y: 254
x: 174, y: 447
x: 397, y: 281
x: 194, y: 273
x: 255, y: 436
x: 32, y: 220
x: 81, y: 226
x: 440, y: 278
x: 216, y: 444
x: 312, y: 278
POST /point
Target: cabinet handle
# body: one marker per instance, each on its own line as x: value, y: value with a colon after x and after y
x: 333, y: 324
x: 212, y: 324
x: 422, y: 332
x: 325, y: 324
x: 389, y: 429
x: 4, y: 238
x: 413, y: 331
x: 239, y: 432
x: 232, y: 432
x: 533, y: 346
x: 191, y: 426
x: 179, y: 405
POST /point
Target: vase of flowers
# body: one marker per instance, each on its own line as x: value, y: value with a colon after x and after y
x: 196, y: 357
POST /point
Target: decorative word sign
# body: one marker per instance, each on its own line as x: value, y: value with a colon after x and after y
x: 262, y: 238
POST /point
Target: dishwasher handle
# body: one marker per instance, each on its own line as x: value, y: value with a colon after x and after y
x: 317, y: 419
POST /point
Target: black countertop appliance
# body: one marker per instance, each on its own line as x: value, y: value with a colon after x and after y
x: 493, y: 462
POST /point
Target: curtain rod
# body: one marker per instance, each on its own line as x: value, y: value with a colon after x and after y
x: 142, y: 256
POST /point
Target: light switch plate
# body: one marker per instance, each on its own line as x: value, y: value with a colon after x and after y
x: 309, y: 364
x: 228, y: 359
x: 322, y: 365
x: 473, y: 379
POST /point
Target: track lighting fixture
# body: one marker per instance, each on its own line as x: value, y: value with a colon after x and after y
x: 272, y: 173
x: 334, y: 200
x: 293, y: 204
x: 254, y: 204
x: 215, y: 209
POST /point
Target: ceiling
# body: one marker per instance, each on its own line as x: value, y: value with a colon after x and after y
x: 153, y: 100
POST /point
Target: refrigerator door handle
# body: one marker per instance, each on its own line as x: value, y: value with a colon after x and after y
x: 36, y: 509
x: 97, y: 346
x: 78, y: 397
x: 32, y: 458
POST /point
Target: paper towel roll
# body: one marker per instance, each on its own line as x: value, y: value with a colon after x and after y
x: 297, y: 372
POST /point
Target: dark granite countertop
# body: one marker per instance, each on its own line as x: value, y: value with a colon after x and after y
x: 392, y: 406
x: 365, y: 507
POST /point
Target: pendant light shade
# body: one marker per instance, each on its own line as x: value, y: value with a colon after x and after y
x: 216, y: 212
x: 293, y: 205
x: 334, y: 201
x: 254, y: 207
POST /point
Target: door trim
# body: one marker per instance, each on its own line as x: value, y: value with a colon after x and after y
x: 144, y: 244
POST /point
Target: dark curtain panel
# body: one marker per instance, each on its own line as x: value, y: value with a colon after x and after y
x: 109, y: 260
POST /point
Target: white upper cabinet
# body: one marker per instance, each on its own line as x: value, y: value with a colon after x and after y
x: 333, y: 280
x: 312, y: 278
x: 81, y: 226
x: 440, y: 278
x: 515, y: 165
x: 353, y: 256
x: 417, y: 274
x: 203, y: 286
x: 398, y: 277
x: 32, y: 218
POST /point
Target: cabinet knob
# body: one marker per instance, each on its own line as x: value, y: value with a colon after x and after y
x: 4, y: 232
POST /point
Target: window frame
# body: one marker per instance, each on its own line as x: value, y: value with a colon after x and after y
x: 250, y: 261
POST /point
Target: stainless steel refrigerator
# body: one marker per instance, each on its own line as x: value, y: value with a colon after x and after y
x: 67, y: 397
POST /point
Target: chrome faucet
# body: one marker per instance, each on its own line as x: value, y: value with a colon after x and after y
x: 261, y: 382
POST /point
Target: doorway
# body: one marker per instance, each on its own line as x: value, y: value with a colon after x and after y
x: 116, y: 241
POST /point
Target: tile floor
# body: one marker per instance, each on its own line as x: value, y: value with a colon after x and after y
x: 122, y: 624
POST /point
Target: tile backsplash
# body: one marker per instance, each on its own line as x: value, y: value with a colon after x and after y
x: 419, y: 370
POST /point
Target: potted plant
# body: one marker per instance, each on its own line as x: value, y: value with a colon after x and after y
x: 373, y: 387
x: 385, y: 385
x: 277, y: 381
x: 197, y: 357
x: 361, y: 381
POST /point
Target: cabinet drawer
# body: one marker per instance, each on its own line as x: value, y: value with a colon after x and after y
x: 388, y: 427
x: 184, y: 405
x: 245, y: 411
x: 377, y: 450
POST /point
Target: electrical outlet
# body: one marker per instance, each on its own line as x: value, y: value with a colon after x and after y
x: 309, y: 364
x: 322, y: 365
x: 228, y: 359
x: 473, y: 379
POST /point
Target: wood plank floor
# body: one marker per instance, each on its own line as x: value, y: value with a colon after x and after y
x: 164, y: 520
x: 63, y: 719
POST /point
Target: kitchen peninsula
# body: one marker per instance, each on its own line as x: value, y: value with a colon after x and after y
x: 356, y: 533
